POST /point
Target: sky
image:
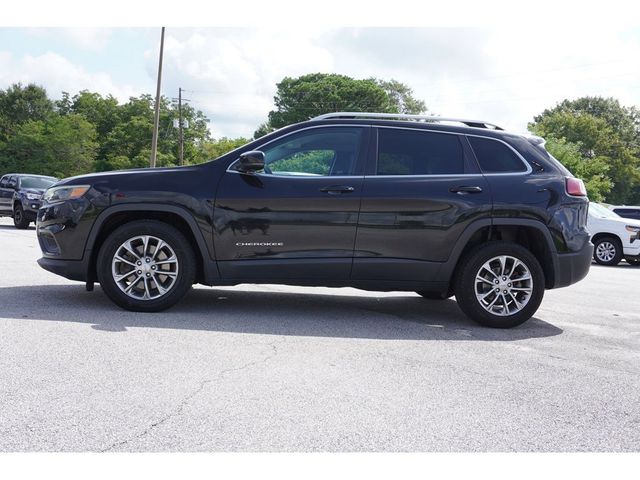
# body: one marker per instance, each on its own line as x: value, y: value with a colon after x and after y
x: 501, y: 75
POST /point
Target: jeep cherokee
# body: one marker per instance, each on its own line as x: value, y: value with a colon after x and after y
x: 374, y: 201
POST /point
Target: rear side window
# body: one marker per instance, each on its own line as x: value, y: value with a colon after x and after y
x: 495, y: 156
x: 412, y: 152
x: 628, y: 212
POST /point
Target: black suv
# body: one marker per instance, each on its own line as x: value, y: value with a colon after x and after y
x: 374, y: 201
x: 20, y: 196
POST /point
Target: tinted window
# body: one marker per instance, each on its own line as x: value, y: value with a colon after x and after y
x: 628, y: 212
x: 411, y: 152
x: 318, y: 152
x: 13, y: 182
x: 36, y: 182
x: 495, y: 156
x: 3, y: 181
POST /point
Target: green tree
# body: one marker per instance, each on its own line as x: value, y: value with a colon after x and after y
x: 216, y: 148
x: 61, y: 146
x: 299, y: 99
x: 593, y: 170
x: 20, y: 104
x: 402, y: 97
x: 602, y: 128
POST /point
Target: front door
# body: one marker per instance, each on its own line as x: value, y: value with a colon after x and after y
x: 296, y: 219
x: 7, y: 189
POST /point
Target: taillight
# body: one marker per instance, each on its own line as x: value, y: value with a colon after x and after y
x: 575, y: 187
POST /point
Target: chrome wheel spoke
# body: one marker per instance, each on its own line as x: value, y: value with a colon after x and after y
x: 511, y: 287
x: 147, y: 275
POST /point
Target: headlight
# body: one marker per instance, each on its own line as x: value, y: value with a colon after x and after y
x: 60, y: 194
x: 632, y: 229
x: 33, y: 196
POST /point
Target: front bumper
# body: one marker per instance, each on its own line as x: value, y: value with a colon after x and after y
x: 71, y: 269
x: 573, y: 267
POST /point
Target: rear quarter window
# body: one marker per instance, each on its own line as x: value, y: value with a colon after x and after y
x: 496, y: 157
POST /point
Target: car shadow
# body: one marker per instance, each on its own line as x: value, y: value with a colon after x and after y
x: 407, y: 317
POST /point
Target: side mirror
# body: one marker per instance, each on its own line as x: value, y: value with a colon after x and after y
x: 251, y: 161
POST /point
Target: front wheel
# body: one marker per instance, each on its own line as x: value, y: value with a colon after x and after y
x: 146, y: 266
x: 20, y: 220
x: 607, y: 251
x: 499, y: 284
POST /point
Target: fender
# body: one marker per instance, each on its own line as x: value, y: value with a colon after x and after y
x: 210, y: 268
x: 446, y: 271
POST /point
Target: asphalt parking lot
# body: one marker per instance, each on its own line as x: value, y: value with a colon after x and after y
x: 276, y: 368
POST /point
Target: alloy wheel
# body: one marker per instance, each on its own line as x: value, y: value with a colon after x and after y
x: 503, y: 285
x: 145, y: 267
x: 605, y: 251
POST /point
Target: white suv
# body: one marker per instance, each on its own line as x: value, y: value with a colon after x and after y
x: 613, y: 236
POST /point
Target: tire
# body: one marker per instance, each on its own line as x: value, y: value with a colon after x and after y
x: 19, y: 218
x: 635, y: 261
x: 149, y: 290
x: 607, y: 251
x: 434, y: 295
x: 523, y: 296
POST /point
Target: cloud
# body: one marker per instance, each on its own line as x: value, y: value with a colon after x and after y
x: 91, y: 39
x: 57, y: 74
x: 231, y: 73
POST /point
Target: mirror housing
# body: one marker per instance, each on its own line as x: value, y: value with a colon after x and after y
x: 251, y: 161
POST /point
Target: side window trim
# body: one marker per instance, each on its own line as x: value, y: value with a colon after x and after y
x: 361, y: 161
x: 470, y: 167
x: 528, y: 170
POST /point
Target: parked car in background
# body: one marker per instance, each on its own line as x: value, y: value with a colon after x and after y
x: 613, y: 236
x: 21, y: 196
x: 626, y: 211
x: 369, y: 200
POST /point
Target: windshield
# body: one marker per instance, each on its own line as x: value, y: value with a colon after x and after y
x: 601, y: 211
x: 37, y: 182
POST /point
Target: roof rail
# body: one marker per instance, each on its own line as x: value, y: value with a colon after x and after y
x: 406, y: 116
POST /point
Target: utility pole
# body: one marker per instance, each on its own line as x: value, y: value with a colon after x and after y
x: 156, y: 120
x: 180, y: 128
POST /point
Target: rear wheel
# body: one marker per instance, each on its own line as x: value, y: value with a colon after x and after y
x: 20, y: 220
x: 607, y: 251
x: 499, y: 284
x: 146, y: 266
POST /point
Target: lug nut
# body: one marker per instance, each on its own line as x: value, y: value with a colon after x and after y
x: 509, y: 285
x: 153, y: 267
x: 502, y: 292
x: 497, y: 289
x: 139, y: 272
x: 147, y: 260
x: 148, y: 274
x: 504, y: 279
x: 496, y: 282
x: 139, y: 263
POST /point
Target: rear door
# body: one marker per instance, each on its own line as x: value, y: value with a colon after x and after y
x: 297, y: 218
x: 422, y: 189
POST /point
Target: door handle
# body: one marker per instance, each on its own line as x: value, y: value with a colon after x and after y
x: 463, y: 189
x: 334, y: 189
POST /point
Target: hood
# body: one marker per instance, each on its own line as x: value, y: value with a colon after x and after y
x: 91, y: 178
x: 38, y: 191
x: 625, y: 221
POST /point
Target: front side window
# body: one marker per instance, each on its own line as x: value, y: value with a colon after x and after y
x: 414, y: 152
x: 326, y: 151
x: 495, y: 157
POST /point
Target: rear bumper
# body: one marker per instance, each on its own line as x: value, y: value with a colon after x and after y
x: 573, y: 267
x: 71, y: 269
